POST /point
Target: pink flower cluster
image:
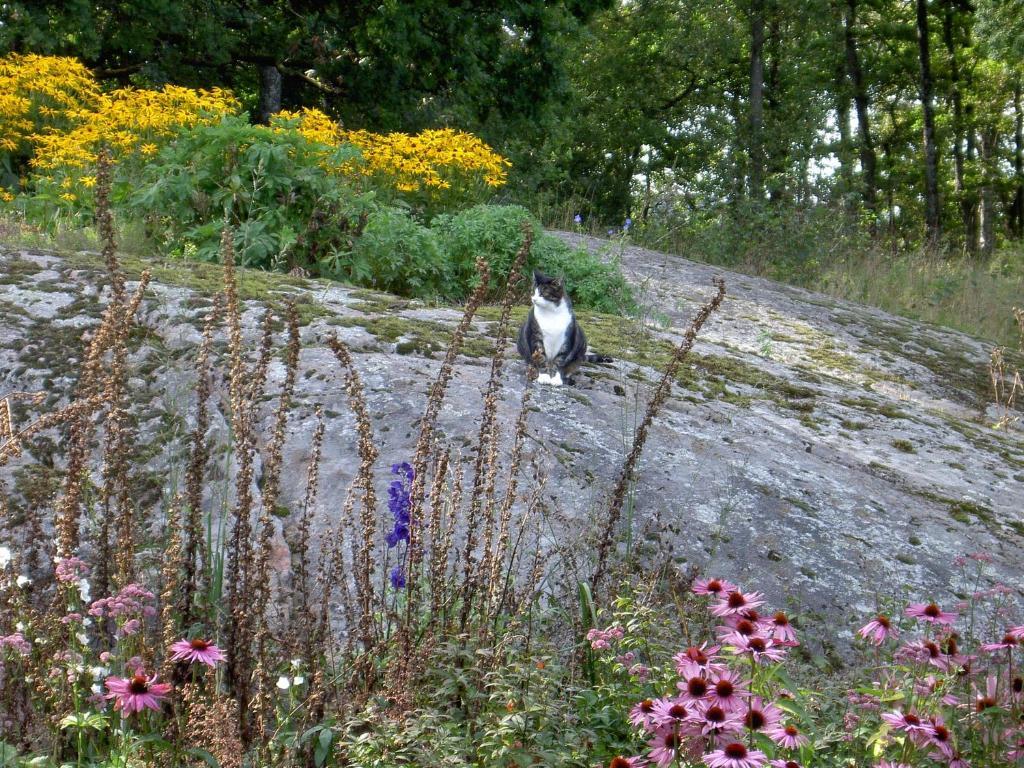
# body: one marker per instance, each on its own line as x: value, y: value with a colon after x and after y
x: 602, y: 639
x: 717, y: 709
x: 16, y: 641
x: 635, y: 668
x: 952, y: 688
x: 131, y: 600
x: 70, y: 570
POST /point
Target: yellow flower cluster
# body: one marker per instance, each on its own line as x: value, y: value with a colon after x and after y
x: 311, y: 124
x: 40, y: 91
x: 129, y: 120
x: 428, y: 160
x: 53, y: 110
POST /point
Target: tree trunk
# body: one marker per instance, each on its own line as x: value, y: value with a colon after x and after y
x: 933, y: 229
x: 270, y: 92
x: 868, y: 156
x: 888, y: 163
x: 971, y: 196
x: 757, y: 99
x: 964, y: 202
x: 1017, y: 207
x: 845, y: 144
x: 841, y: 90
x: 989, y: 146
x: 776, y: 153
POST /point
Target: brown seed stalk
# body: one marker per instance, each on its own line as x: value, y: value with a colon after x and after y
x: 661, y: 393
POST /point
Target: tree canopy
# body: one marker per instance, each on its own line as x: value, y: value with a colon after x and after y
x: 905, y: 115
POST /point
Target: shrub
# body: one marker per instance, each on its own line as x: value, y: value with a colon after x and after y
x: 395, y: 253
x: 493, y: 231
x: 272, y: 185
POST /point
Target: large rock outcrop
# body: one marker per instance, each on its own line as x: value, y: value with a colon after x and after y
x: 821, y: 451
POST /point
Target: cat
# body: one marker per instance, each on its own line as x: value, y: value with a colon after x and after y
x: 552, y: 333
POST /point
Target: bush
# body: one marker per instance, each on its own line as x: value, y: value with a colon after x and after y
x: 273, y: 186
x: 395, y: 253
x: 495, y: 232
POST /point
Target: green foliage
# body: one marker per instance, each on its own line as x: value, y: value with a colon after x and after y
x: 275, y: 188
x: 395, y: 253
x: 495, y: 233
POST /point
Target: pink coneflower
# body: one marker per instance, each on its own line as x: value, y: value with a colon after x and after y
x: 788, y: 736
x: 933, y: 653
x: 736, y: 602
x: 693, y: 687
x: 665, y: 748
x: 988, y: 699
x: 641, y: 715
x: 1017, y: 632
x: 782, y: 631
x: 669, y: 713
x: 1008, y: 641
x: 714, y: 720
x: 761, y: 649
x: 761, y: 715
x: 726, y: 690
x: 197, y: 650
x: 740, y: 630
x: 889, y: 764
x: 761, y: 623
x: 735, y: 755
x: 136, y: 693
x: 931, y: 613
x: 704, y: 658
x: 784, y: 764
x: 877, y: 630
x: 904, y: 721
x: 625, y: 762
x: 714, y: 587
x: 939, y: 736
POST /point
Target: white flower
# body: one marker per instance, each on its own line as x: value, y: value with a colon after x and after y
x: 5, y: 557
x: 82, y: 638
x: 20, y: 626
x: 298, y: 680
x: 97, y: 689
x: 84, y: 590
x: 23, y: 581
x: 296, y: 663
x: 283, y: 683
x: 98, y: 672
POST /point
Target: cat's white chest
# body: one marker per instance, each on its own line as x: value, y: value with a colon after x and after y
x: 553, y: 322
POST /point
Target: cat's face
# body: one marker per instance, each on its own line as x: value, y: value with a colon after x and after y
x: 547, y: 290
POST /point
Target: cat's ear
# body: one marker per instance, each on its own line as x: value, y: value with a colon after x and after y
x: 560, y: 282
x: 537, y: 277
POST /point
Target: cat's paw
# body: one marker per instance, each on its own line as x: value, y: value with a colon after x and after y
x: 543, y: 378
x: 556, y: 380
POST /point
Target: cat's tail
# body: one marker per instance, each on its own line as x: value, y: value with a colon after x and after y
x: 595, y: 358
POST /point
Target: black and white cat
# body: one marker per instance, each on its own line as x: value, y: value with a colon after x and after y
x: 552, y: 331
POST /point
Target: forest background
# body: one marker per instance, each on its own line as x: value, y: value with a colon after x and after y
x: 870, y: 148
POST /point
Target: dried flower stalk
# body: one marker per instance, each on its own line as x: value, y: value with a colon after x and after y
x: 661, y: 393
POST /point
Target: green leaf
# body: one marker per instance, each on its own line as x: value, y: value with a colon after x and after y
x: 205, y: 756
x: 323, y: 746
